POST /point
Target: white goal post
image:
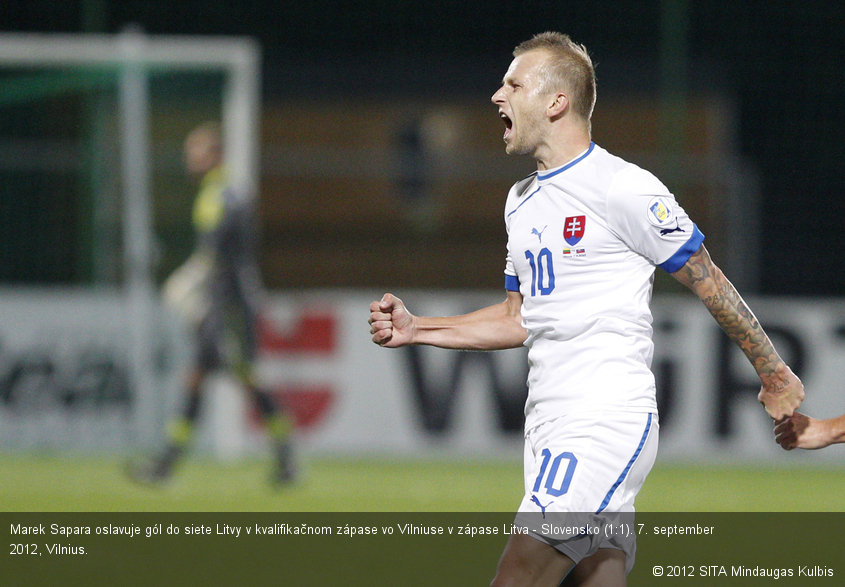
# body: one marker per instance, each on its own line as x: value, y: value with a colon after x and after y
x: 133, y: 56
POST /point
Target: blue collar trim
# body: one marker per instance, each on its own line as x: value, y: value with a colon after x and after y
x: 541, y: 177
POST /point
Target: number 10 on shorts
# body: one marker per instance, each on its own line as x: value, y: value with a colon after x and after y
x: 563, y: 479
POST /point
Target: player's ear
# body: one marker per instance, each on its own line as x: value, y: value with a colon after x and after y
x: 558, y: 105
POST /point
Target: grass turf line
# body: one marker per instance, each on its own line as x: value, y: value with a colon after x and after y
x: 81, y: 483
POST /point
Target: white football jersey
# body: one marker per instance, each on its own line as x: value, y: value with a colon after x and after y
x: 583, y: 242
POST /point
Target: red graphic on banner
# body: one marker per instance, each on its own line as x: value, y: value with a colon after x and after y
x: 306, y: 405
x: 313, y: 334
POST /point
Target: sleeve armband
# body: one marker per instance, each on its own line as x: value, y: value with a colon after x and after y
x: 683, y: 254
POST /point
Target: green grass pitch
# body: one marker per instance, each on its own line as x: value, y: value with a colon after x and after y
x: 53, y: 483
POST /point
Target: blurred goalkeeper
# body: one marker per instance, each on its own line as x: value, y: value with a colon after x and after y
x: 217, y: 290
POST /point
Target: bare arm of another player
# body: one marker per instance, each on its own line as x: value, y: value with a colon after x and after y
x: 781, y: 392
x: 800, y: 431
x: 492, y: 328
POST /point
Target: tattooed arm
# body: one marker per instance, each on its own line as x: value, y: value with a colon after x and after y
x: 781, y: 392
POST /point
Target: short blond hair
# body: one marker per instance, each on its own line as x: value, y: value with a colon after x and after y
x: 569, y: 68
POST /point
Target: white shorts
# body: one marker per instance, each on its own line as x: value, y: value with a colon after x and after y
x: 582, y: 474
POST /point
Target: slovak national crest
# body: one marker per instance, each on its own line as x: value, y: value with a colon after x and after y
x: 573, y: 229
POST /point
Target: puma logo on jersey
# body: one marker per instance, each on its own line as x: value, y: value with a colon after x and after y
x: 665, y: 231
x: 542, y: 507
x: 539, y: 233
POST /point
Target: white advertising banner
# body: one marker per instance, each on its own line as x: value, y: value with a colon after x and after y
x: 64, y: 370
x: 425, y: 400
x: 63, y: 382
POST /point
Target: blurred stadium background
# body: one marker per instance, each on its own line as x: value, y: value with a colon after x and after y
x: 379, y: 163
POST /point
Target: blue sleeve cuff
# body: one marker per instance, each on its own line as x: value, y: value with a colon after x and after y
x: 511, y: 282
x: 683, y: 254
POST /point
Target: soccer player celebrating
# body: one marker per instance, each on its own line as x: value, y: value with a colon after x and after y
x: 585, y: 234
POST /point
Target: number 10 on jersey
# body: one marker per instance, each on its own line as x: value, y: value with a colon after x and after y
x: 542, y: 272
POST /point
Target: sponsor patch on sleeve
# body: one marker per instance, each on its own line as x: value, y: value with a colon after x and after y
x: 660, y: 211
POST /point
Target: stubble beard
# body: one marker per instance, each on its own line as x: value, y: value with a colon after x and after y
x: 525, y: 142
